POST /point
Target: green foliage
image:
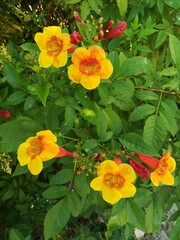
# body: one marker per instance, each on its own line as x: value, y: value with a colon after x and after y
x: 135, y: 110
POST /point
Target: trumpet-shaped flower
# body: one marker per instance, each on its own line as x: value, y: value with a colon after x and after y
x: 162, y: 168
x: 53, y: 45
x: 89, y: 66
x: 35, y: 150
x: 142, y: 171
x: 115, y: 181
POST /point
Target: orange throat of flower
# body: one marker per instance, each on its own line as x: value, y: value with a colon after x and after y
x: 54, y: 46
x: 89, y: 66
x: 162, y: 168
x: 35, y: 148
x: 113, y: 180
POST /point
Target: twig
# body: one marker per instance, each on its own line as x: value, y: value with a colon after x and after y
x: 157, y: 90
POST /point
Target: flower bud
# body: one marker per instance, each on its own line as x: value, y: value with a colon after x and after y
x: 78, y: 18
x: 76, y: 38
x: 5, y: 114
x: 109, y: 25
x: 63, y: 153
x: 117, y: 159
x: 148, y: 160
x: 142, y: 171
x: 117, y: 31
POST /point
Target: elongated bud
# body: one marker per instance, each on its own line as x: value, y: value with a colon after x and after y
x: 5, y: 114
x: 63, y: 153
x: 117, y: 31
x: 117, y: 159
x: 142, y: 171
x: 76, y: 38
x: 78, y: 18
x: 71, y: 50
x: 109, y: 25
x: 101, y: 35
x: 148, y: 160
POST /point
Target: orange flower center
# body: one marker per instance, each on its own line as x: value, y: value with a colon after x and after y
x: 162, y: 168
x: 89, y: 66
x: 54, y: 46
x: 36, y: 147
x: 113, y: 180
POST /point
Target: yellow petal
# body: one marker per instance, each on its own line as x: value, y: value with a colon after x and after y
x: 106, y: 69
x: 127, y: 190
x: 35, y: 166
x: 97, y: 183
x: 154, y: 178
x: 74, y: 73
x: 61, y: 59
x: 90, y: 82
x: 66, y: 41
x: 47, y: 135
x: 107, y: 166
x: 49, y: 151
x: 45, y: 60
x: 127, y: 172
x: 111, y: 195
x: 52, y: 31
x: 166, y: 178
x: 22, y: 155
x: 171, y: 164
x: 79, y: 54
x: 41, y: 41
x: 97, y: 52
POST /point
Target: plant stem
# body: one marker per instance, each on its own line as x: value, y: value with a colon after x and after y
x: 157, y: 90
x: 159, y: 102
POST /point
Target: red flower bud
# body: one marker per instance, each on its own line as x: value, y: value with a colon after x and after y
x: 63, y: 153
x: 117, y: 31
x: 148, y: 160
x: 117, y: 159
x: 78, y: 18
x: 5, y: 114
x: 109, y: 25
x: 100, y: 35
x: 139, y: 169
x: 76, y: 38
x: 71, y: 50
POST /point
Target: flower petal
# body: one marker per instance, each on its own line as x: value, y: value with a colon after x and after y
x: 47, y: 135
x: 45, y: 60
x: 50, y: 151
x: 22, y: 155
x: 166, y: 178
x: 66, y: 41
x: 98, y: 52
x: 41, y: 41
x: 111, y: 195
x: 106, y: 69
x: 79, y: 54
x: 171, y: 164
x: 107, y: 166
x: 127, y: 190
x: 61, y: 59
x: 97, y: 183
x: 127, y: 172
x: 52, y: 31
x: 35, y: 166
x: 155, y: 178
x: 90, y: 82
x: 74, y: 73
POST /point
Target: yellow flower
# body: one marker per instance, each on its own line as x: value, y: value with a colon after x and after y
x: 89, y: 66
x: 115, y: 181
x: 162, y: 173
x: 38, y: 149
x: 53, y: 45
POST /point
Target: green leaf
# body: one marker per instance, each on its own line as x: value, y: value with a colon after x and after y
x: 74, y: 203
x: 94, y: 6
x: 104, y: 94
x: 154, y: 214
x: 174, y: 45
x: 15, y: 234
x: 73, y: 1
x: 161, y: 37
x: 16, y: 98
x: 124, y: 88
x: 141, y: 112
x: 55, y: 192
x: 133, y: 66
x: 90, y: 144
x: 142, y: 197
x: 42, y: 90
x: 11, y: 74
x: 52, y: 119
x: 134, y: 142
x: 85, y: 10
x: 20, y: 170
x: 170, y: 106
x: 154, y: 132
x: 113, y: 121
x: 30, y: 100
x: 175, y: 3
x: 114, y: 58
x: 56, y: 218
x: 175, y: 231
x: 169, y: 122
x: 122, y: 5
x: 101, y: 124
x: 81, y: 185
x: 63, y: 176
x: 135, y: 215
x: 15, y: 132
x: 170, y: 71
x: 30, y: 47
x: 145, y: 95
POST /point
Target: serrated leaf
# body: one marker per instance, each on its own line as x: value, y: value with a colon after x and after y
x: 56, y: 218
x: 113, y: 121
x: 16, y: 98
x: 85, y: 9
x: 170, y: 106
x: 15, y: 132
x: 101, y: 124
x: 94, y: 6
x: 122, y: 5
x: 161, y: 37
x: 169, y: 122
x: 55, y: 192
x: 114, y: 58
x: 81, y: 185
x: 141, y: 112
x: 133, y: 66
x: 145, y: 95
x: 74, y: 203
x: 90, y: 144
x: 124, y: 88
x: 134, y: 142
x: 15, y: 234
x: 63, y: 176
x: 170, y: 71
x: 174, y: 45
x: 154, y: 132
